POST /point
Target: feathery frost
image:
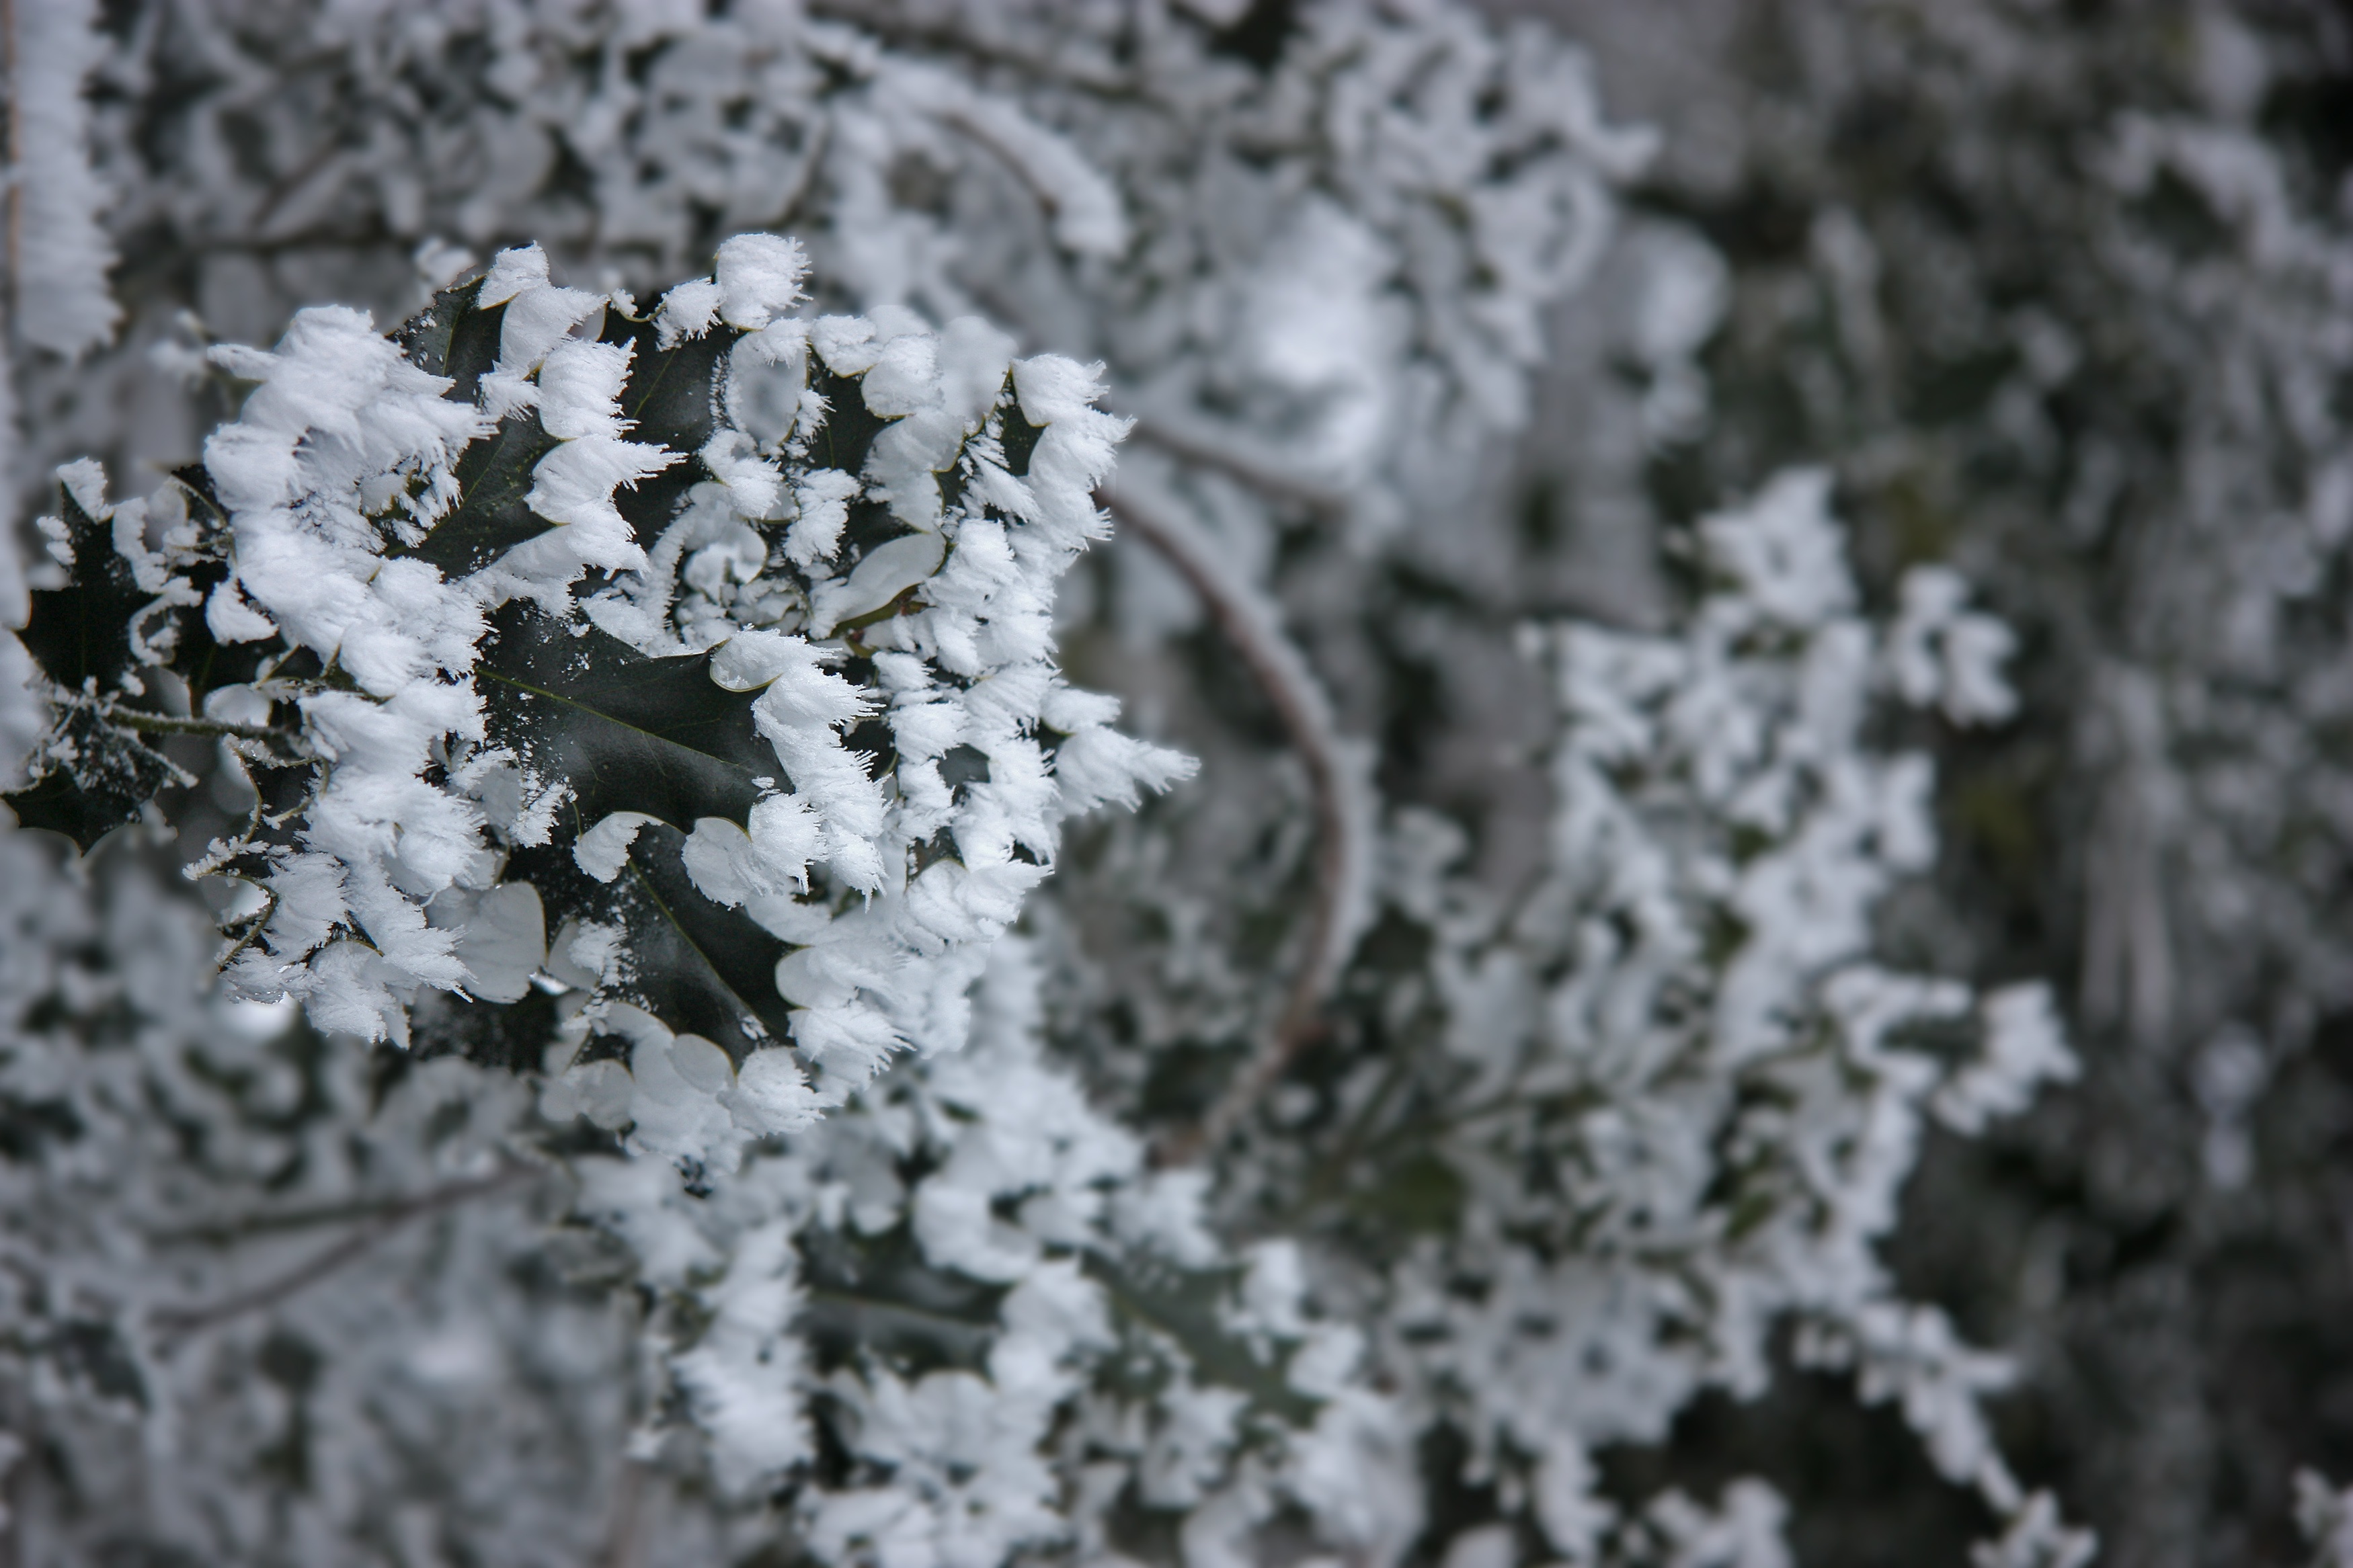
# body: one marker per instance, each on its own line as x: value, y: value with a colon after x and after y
x: 59, y: 246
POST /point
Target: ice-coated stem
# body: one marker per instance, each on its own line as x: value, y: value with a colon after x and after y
x: 1342, y: 797
x: 175, y: 1324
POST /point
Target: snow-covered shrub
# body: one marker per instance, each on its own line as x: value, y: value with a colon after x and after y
x: 628, y: 735
x: 369, y: 592
x: 1667, y: 1099
x: 2061, y: 295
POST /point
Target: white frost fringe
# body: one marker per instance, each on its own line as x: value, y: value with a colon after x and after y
x: 62, y: 255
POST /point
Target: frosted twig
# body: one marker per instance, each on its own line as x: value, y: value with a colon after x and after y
x: 172, y: 724
x: 627, y: 1525
x: 1082, y: 207
x: 1233, y: 452
x: 1344, y: 813
x: 944, y: 34
x: 253, y: 926
x: 175, y: 1324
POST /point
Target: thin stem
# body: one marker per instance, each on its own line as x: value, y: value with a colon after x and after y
x: 1233, y: 452
x: 174, y: 1323
x: 627, y: 1523
x: 292, y: 181
x: 218, y: 853
x: 172, y: 724
x: 947, y: 36
x: 271, y: 1224
x: 1342, y: 812
x: 253, y: 928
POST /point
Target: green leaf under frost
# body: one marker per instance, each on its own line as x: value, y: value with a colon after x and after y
x: 659, y: 736
x: 670, y: 399
x: 628, y: 732
x: 454, y: 338
x: 508, y: 1035
x: 492, y: 516
x: 95, y: 777
x: 81, y: 634
x: 699, y: 968
x: 92, y: 776
x: 620, y: 730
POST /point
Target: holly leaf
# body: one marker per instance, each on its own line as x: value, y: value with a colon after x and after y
x: 81, y: 634
x: 492, y: 516
x: 453, y: 337
x: 671, y: 397
x: 509, y: 1036
x: 630, y: 732
x: 626, y: 731
x: 97, y: 777
x: 621, y: 732
x: 699, y: 967
x: 92, y: 776
x: 843, y: 442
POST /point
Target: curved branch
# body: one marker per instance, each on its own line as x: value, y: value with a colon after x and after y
x: 254, y: 927
x: 1234, y: 452
x: 178, y: 1322
x: 1343, y: 809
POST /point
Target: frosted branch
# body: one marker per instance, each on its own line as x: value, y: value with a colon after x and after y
x: 1236, y: 454
x: 174, y: 1323
x: 1345, y: 812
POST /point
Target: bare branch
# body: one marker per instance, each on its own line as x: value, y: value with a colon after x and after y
x: 624, y: 1531
x: 253, y: 926
x: 1234, y: 452
x: 175, y: 1324
x: 172, y: 724
x: 1344, y: 810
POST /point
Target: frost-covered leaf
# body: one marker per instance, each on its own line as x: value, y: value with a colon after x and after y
x: 624, y: 732
x: 701, y: 968
x: 114, y: 616
x: 80, y: 633
x: 95, y: 778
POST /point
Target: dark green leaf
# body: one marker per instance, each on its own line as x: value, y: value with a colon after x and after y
x: 651, y: 735
x: 97, y: 780
x: 508, y: 1035
x: 95, y: 776
x: 670, y: 398
x: 204, y: 662
x: 81, y: 633
x: 628, y: 732
x: 842, y: 442
x: 450, y: 337
x: 492, y: 516
x: 701, y: 967
x: 1019, y: 440
x: 698, y: 968
x: 197, y: 481
x: 849, y: 427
